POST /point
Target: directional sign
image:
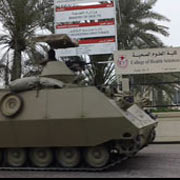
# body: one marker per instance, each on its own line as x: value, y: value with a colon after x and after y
x: 89, y: 47
x: 91, y: 22
x: 88, y: 30
x: 85, y: 12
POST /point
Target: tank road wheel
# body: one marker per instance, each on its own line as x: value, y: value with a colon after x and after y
x: 10, y: 105
x: 41, y: 157
x: 68, y: 157
x: 97, y: 157
x: 15, y: 157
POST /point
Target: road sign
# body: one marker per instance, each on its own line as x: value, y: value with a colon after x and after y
x: 87, y: 30
x: 91, y: 22
x: 84, y: 13
x: 90, y: 47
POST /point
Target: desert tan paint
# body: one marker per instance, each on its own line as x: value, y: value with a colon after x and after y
x: 65, y: 117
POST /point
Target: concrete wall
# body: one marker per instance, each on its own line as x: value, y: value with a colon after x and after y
x: 168, y: 129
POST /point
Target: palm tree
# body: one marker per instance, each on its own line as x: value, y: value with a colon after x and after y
x: 20, y: 20
x: 138, y: 25
x: 99, y: 73
x: 138, y: 28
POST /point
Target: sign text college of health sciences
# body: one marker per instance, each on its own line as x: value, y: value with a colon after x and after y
x: 92, y: 22
x: 163, y: 60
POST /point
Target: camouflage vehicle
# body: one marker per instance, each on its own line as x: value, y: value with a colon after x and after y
x: 50, y: 121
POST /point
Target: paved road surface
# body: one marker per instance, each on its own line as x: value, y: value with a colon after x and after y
x: 155, y: 161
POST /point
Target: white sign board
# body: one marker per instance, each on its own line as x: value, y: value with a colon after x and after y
x: 85, y: 13
x: 88, y: 30
x: 148, y: 61
x: 89, y: 47
x: 91, y: 22
x: 71, y: 3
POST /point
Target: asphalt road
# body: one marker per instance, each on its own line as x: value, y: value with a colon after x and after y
x: 155, y: 161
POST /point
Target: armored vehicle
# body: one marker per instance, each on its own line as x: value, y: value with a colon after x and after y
x: 51, y: 122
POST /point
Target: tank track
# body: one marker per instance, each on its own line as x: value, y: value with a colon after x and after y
x: 115, y: 160
x: 80, y: 169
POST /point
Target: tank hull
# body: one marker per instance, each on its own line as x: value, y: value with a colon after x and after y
x: 73, y: 117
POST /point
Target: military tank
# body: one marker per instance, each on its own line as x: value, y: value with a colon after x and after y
x: 51, y: 122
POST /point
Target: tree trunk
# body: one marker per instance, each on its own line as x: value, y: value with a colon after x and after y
x: 17, y: 67
x: 6, y: 73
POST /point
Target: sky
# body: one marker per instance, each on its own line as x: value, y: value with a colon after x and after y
x: 170, y: 9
